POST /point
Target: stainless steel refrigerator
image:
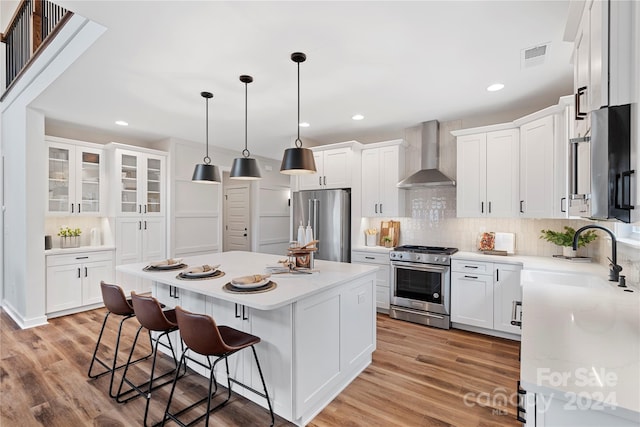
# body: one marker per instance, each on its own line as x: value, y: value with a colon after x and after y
x: 329, y: 213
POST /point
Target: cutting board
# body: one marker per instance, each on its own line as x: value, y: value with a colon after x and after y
x: 505, y: 242
x: 392, y: 229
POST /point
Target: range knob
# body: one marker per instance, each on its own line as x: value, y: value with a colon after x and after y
x: 418, y: 257
x: 436, y: 259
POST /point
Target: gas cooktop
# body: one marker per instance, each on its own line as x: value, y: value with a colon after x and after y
x: 426, y: 249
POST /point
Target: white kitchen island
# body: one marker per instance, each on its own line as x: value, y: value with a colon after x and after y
x: 318, y: 330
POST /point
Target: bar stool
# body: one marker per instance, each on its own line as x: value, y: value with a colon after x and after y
x: 115, y: 303
x: 149, y: 313
x: 201, y: 334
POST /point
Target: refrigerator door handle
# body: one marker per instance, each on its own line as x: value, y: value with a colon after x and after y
x: 316, y: 202
x: 310, y: 217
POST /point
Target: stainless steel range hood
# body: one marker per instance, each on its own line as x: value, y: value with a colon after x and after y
x: 428, y: 175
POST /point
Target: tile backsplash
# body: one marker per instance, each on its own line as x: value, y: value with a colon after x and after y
x: 432, y: 221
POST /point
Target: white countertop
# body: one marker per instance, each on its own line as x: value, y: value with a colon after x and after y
x: 591, y: 336
x: 375, y: 249
x: 291, y: 287
x: 80, y: 249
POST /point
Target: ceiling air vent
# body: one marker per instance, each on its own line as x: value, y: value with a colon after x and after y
x: 532, y: 56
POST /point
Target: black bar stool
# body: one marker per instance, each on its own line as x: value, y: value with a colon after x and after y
x: 201, y: 334
x: 149, y: 313
x: 115, y: 303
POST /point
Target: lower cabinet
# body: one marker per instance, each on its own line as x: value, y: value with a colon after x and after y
x: 383, y: 276
x: 73, y: 280
x: 482, y: 294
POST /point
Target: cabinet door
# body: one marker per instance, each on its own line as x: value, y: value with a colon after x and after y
x: 337, y: 168
x: 226, y: 313
x: 153, y: 202
x: 506, y: 290
x: 370, y: 182
x: 313, y: 181
x: 537, y: 169
x: 92, y: 274
x: 128, y: 249
x: 128, y: 166
x: 581, y: 74
x: 64, y: 287
x: 472, y: 299
x: 471, y: 186
x: 389, y: 173
x: 90, y: 181
x: 61, y: 179
x: 598, y: 11
x: 502, y: 173
x: 153, y: 239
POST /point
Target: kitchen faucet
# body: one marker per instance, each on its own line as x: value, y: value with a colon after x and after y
x: 614, y: 268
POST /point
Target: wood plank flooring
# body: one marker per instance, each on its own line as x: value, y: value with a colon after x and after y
x: 420, y: 376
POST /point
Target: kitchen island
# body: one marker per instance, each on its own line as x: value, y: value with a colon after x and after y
x: 318, y: 330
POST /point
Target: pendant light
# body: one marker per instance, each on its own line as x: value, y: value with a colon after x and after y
x: 298, y: 160
x: 245, y: 167
x: 206, y: 172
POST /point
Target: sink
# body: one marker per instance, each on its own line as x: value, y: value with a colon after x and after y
x: 564, y: 278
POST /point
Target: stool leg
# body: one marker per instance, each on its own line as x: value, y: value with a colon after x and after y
x: 126, y: 369
x: 266, y: 394
x: 95, y: 351
x: 167, y: 414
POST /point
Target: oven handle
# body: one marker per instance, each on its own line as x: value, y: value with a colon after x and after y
x: 420, y: 312
x: 514, y: 313
x: 421, y: 267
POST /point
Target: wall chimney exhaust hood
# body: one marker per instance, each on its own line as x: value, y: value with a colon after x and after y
x: 428, y: 175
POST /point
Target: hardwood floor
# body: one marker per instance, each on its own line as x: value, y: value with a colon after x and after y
x: 420, y: 376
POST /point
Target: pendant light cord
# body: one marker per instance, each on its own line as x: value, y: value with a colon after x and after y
x: 207, y: 159
x: 245, y: 152
x: 298, y: 141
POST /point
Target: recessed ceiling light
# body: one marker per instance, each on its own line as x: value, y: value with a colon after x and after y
x: 494, y: 87
x: 304, y: 125
x: 121, y: 123
x: 358, y: 117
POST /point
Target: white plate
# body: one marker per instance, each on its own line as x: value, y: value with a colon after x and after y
x: 250, y: 285
x: 197, y: 271
x: 160, y: 266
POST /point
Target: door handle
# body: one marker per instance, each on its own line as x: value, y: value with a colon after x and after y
x: 145, y: 225
x: 380, y: 207
x: 319, y: 180
x: 514, y: 313
x: 481, y: 207
x: 73, y: 206
x: 563, y: 201
x: 521, y: 203
x: 489, y: 207
x: 79, y: 207
x: 245, y: 234
x: 324, y: 178
x: 78, y: 272
x: 471, y: 277
x: 376, y: 208
x: 579, y: 114
x: 237, y: 314
x: 85, y: 272
x: 139, y: 208
x: 139, y: 225
x: 245, y: 317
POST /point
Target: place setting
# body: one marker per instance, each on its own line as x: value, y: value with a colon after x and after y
x: 253, y: 284
x: 165, y: 265
x: 201, y: 272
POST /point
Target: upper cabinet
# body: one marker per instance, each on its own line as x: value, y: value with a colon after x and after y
x: 544, y: 142
x: 382, y: 167
x: 140, y: 177
x: 333, y: 167
x: 76, y: 178
x: 487, y: 184
x: 602, y: 58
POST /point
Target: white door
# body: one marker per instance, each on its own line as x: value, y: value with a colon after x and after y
x: 92, y: 274
x: 506, y: 290
x: 237, y: 219
x: 472, y: 299
x: 337, y: 170
x: 503, y: 158
x: 64, y: 287
x: 472, y: 176
x: 153, y: 239
x: 537, y: 169
x: 370, y: 182
x: 313, y: 181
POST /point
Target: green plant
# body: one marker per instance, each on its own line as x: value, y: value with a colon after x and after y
x: 386, y: 239
x: 68, y: 232
x: 566, y: 238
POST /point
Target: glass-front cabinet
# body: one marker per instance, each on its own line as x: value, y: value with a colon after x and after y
x: 141, y: 177
x: 75, y: 178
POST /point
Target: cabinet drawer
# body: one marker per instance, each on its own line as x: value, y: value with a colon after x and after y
x: 370, y: 257
x: 79, y: 258
x: 464, y: 266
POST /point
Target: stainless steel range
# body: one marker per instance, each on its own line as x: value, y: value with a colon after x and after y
x: 421, y: 284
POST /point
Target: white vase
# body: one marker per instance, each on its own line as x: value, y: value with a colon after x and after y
x: 569, y: 252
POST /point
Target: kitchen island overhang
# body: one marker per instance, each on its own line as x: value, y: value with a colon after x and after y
x: 318, y: 330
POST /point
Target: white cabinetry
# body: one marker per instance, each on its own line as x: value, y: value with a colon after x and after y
x: 482, y: 294
x: 333, y: 167
x: 487, y: 182
x: 603, y: 58
x: 73, y: 280
x: 382, y: 166
x: 383, y: 275
x: 544, y: 145
x: 139, y: 209
x: 76, y: 178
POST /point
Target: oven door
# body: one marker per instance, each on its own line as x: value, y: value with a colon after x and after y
x: 421, y: 286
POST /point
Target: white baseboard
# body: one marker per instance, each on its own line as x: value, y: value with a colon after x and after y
x: 21, y: 321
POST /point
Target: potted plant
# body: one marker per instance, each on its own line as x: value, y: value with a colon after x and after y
x: 565, y: 239
x: 69, y: 238
x: 387, y: 241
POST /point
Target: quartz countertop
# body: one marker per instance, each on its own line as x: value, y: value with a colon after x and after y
x: 376, y: 249
x: 80, y: 249
x: 290, y: 287
x: 585, y: 343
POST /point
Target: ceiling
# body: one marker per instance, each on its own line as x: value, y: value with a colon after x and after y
x: 397, y: 63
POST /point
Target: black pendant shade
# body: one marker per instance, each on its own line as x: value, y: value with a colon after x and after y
x: 206, y: 172
x: 298, y: 160
x: 245, y: 168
